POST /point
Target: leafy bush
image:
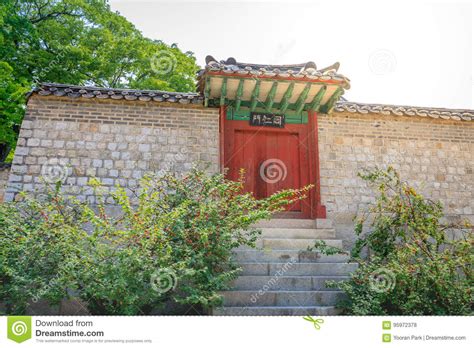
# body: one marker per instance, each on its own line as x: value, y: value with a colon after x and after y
x: 37, y: 239
x: 172, y: 241
x: 409, y: 262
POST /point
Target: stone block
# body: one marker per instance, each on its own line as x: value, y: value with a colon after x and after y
x: 33, y: 142
x: 97, y: 163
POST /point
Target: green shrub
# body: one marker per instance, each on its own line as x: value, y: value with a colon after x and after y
x: 172, y: 241
x: 409, y: 262
x: 37, y: 239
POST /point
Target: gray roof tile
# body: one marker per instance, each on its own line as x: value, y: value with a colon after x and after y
x: 398, y: 110
x: 71, y: 91
x: 299, y: 71
x: 60, y: 90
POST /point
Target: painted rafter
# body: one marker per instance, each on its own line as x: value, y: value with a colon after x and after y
x: 332, y: 100
x: 238, y: 96
x: 316, y: 102
x: 302, y: 98
x: 223, y: 91
x: 285, y: 101
x: 255, y: 94
x: 271, y: 97
x: 269, y: 103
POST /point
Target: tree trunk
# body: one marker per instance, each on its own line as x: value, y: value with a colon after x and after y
x: 4, y: 151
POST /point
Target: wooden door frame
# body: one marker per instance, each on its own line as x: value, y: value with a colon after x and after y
x: 316, y: 209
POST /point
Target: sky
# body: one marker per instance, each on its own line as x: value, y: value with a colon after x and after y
x: 417, y: 53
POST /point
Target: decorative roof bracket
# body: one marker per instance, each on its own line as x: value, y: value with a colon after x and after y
x: 271, y: 88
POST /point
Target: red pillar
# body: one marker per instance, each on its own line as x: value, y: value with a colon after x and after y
x: 318, y: 210
x: 222, y: 116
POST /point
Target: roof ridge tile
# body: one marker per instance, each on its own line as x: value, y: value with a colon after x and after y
x: 403, y: 110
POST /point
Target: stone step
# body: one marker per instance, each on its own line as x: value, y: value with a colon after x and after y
x: 300, y: 283
x: 299, y: 244
x: 281, y: 255
x: 296, y: 233
x: 289, y: 244
x: 238, y: 298
x: 277, y: 311
x: 324, y: 223
x: 295, y: 223
x: 286, y: 223
x: 297, y: 269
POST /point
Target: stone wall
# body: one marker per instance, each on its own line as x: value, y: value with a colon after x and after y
x: 118, y: 141
x: 435, y: 155
x: 4, y: 173
x: 115, y: 141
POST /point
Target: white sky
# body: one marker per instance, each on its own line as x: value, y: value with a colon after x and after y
x: 402, y: 52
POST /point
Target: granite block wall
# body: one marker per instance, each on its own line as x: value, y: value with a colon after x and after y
x: 434, y: 155
x: 115, y: 141
x: 118, y: 141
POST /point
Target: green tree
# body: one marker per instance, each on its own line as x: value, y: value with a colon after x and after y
x: 80, y: 42
x: 11, y: 107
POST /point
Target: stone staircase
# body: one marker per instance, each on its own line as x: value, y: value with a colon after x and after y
x: 282, y: 278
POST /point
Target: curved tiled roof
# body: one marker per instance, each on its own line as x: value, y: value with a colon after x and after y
x: 397, y: 110
x: 299, y: 71
x: 61, y: 90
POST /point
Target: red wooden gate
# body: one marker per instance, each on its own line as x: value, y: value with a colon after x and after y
x: 274, y: 159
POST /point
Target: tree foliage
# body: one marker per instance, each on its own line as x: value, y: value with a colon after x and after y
x: 79, y: 42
